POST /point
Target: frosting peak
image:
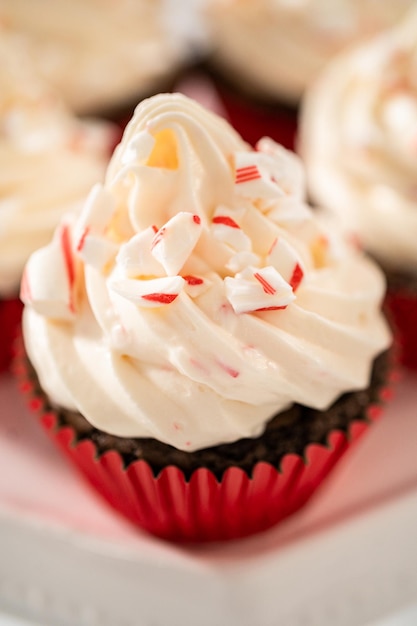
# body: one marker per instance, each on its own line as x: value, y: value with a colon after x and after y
x: 201, y: 294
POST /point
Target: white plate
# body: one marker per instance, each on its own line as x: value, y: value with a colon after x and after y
x: 349, y: 558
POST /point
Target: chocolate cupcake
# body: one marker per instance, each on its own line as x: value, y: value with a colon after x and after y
x: 201, y: 346
x: 358, y: 140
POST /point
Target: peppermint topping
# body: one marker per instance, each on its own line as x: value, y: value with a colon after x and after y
x: 224, y: 228
x: 54, y: 298
x: 135, y: 257
x: 174, y: 242
x: 286, y: 261
x: 149, y: 293
x: 258, y: 289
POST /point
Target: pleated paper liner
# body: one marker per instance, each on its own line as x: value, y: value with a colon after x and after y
x: 201, y: 508
x: 10, y: 318
x: 401, y: 307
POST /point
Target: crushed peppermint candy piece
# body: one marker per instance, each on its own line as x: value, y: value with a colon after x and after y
x: 286, y: 261
x: 255, y: 176
x: 150, y: 293
x: 225, y: 228
x: 95, y: 216
x: 256, y: 289
x: 175, y: 241
x: 97, y: 251
x: 53, y: 298
x: 289, y: 176
x: 135, y: 256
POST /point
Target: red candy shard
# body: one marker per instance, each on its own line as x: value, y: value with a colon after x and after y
x: 163, y: 298
x: 193, y: 280
x: 225, y: 220
x: 296, y: 277
x: 246, y: 174
x: 81, y: 242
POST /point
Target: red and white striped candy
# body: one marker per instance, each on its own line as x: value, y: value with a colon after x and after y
x: 90, y: 244
x: 256, y: 289
x: 283, y: 166
x: 49, y: 278
x: 175, y: 241
x: 135, y: 256
x: 226, y: 229
x: 286, y: 261
x: 254, y: 176
x: 150, y: 293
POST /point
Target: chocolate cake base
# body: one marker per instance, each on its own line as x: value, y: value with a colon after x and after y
x: 287, y: 432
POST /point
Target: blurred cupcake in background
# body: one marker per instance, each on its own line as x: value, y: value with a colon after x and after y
x: 267, y: 52
x: 359, y: 143
x: 100, y: 56
x: 48, y: 162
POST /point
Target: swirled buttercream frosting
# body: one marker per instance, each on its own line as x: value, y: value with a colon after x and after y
x: 359, y: 142
x: 48, y: 161
x: 98, y: 54
x: 197, y: 295
x: 279, y: 46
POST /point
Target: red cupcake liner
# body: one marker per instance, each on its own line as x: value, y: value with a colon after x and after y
x: 10, y: 317
x: 202, y: 508
x: 401, y: 308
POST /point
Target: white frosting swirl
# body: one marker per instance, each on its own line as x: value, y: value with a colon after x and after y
x: 48, y: 162
x: 97, y: 53
x: 359, y: 142
x: 197, y: 293
x: 280, y: 45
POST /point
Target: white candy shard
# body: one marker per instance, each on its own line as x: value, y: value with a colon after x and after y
x: 286, y: 261
x: 96, y: 214
x: 175, y: 241
x: 256, y: 289
x: 97, y: 251
x: 52, y: 298
x: 226, y: 229
x: 150, y: 293
x: 254, y: 176
x: 284, y: 166
x: 135, y: 256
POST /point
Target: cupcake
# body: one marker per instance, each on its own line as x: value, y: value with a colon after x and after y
x: 49, y: 160
x: 198, y: 343
x: 99, y: 55
x: 359, y: 143
x: 266, y: 52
